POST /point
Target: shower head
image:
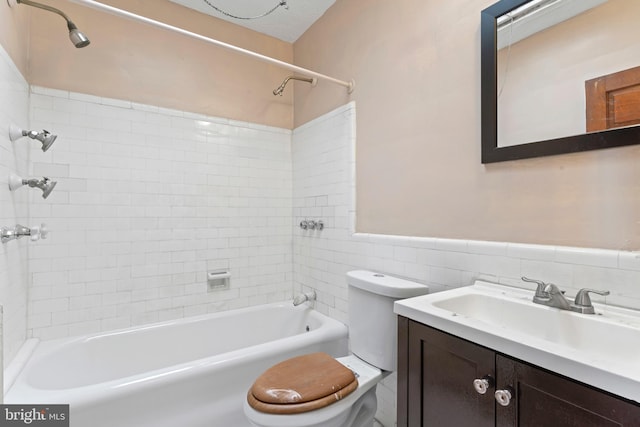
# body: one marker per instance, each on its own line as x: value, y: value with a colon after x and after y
x: 76, y: 36
x: 44, y: 136
x: 45, y: 184
x: 280, y: 89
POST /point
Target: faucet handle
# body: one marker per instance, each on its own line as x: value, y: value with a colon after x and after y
x: 583, y: 299
x: 540, y: 290
x: 38, y: 233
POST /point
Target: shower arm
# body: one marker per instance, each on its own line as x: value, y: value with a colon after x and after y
x: 70, y: 23
x: 280, y: 89
x: 123, y: 13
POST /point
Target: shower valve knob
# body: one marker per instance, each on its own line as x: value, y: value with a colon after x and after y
x: 38, y: 233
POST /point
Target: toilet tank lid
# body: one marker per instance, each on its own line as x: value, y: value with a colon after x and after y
x: 381, y: 284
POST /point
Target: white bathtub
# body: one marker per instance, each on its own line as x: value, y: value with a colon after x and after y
x: 186, y: 373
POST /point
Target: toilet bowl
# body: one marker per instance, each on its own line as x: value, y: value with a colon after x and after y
x: 307, y: 398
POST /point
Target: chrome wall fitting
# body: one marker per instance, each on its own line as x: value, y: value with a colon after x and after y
x: 45, y: 184
x: 12, y: 233
x: 280, y: 89
x: 44, y: 136
x: 307, y: 296
x: 312, y: 225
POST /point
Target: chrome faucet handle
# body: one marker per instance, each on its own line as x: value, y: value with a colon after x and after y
x: 540, y: 290
x: 582, y: 302
x: 38, y: 233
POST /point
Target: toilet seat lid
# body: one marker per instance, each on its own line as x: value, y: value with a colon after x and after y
x: 301, y: 384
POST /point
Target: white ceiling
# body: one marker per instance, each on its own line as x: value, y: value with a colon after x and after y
x: 285, y: 24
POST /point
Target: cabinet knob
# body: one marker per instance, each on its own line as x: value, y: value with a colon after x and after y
x: 503, y: 397
x: 483, y: 384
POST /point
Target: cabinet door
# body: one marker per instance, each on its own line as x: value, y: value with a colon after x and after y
x: 441, y: 370
x: 544, y: 399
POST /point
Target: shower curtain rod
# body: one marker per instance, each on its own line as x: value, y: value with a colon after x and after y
x: 119, y: 12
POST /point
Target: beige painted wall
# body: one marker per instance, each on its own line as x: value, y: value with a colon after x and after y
x: 416, y: 64
x: 14, y: 34
x: 133, y: 61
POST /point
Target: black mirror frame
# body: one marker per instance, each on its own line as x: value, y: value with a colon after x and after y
x: 491, y: 153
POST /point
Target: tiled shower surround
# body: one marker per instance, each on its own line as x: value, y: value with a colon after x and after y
x: 14, y: 207
x: 148, y: 200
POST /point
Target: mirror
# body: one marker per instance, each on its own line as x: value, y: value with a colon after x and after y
x: 545, y: 69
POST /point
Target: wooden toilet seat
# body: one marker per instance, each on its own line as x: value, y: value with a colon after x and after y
x: 301, y: 384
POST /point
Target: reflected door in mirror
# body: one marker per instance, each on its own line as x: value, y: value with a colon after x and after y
x: 613, y: 100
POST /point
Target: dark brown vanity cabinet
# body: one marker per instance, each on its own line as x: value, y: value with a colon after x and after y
x: 436, y: 373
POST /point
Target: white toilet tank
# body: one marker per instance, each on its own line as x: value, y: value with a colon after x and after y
x: 373, y: 331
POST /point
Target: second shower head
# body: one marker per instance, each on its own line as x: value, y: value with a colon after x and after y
x: 45, y: 184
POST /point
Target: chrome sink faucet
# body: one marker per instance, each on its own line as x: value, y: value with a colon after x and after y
x: 550, y: 295
x: 556, y: 297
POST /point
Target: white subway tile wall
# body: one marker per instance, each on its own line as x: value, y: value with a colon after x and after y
x: 148, y: 201
x: 14, y: 206
x: 323, y: 170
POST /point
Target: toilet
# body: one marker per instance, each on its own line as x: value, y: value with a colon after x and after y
x: 318, y: 390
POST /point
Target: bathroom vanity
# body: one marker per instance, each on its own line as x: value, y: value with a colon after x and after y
x: 459, y: 364
x: 436, y: 388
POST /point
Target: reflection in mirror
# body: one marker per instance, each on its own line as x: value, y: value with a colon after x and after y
x: 543, y: 66
x: 544, y: 60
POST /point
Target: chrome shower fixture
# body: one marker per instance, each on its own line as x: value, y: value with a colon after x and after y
x: 45, y: 184
x: 43, y: 136
x: 280, y: 89
x: 12, y: 233
x: 76, y: 36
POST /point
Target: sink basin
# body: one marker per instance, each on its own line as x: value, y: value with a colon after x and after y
x: 599, y: 349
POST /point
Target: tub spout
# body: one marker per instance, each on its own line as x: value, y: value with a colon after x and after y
x: 307, y: 296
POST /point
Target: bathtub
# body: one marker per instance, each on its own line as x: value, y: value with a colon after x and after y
x: 192, y: 372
